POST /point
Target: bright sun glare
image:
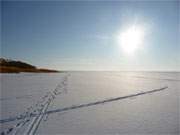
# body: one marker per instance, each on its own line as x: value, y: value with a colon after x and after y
x: 131, y: 39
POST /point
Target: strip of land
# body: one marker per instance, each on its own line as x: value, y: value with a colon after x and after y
x: 12, y: 66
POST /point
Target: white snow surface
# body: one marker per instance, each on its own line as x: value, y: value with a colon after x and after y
x: 156, y: 113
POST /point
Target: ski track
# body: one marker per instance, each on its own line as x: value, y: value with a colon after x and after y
x: 153, y: 78
x: 87, y: 104
x: 15, y: 98
x: 40, y: 108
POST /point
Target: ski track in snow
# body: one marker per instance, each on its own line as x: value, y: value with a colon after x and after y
x: 86, y: 104
x: 29, y: 121
x: 18, y: 97
x: 40, y: 107
x: 153, y: 78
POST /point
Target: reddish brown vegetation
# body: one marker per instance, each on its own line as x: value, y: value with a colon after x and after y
x: 9, y: 66
x: 4, y: 69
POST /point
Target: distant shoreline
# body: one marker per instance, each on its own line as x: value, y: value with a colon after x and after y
x: 11, y: 66
x: 4, y: 69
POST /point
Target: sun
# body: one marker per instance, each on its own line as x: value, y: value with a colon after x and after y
x: 131, y: 39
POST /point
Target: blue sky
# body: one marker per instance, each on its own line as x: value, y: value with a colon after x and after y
x: 82, y: 35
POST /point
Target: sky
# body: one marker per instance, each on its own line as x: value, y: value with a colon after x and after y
x: 83, y: 35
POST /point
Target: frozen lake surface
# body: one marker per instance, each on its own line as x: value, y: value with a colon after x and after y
x: 155, y: 113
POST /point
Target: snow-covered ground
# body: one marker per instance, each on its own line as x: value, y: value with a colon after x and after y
x: 155, y: 113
